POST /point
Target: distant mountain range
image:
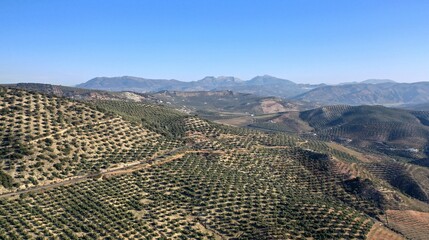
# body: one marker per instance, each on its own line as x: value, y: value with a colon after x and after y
x: 369, y: 92
x: 261, y: 85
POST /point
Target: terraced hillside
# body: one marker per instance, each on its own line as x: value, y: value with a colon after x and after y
x: 204, y: 181
x: 226, y: 104
x: 399, y: 138
x: 394, y: 132
x: 388, y: 129
x: 45, y: 139
x: 221, y: 106
x: 214, y: 105
x: 160, y: 119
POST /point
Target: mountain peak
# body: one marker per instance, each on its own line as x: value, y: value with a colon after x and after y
x: 213, y: 79
x: 267, y: 79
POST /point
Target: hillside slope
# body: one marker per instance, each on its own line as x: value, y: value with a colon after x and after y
x: 359, y: 94
x: 112, y: 170
x: 227, y: 102
x: 399, y: 139
x: 363, y: 126
x: 45, y: 139
x: 209, y: 104
x: 371, y: 123
x: 81, y: 93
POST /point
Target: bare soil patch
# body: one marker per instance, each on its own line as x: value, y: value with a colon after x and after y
x: 412, y: 224
x: 272, y: 106
x: 380, y: 232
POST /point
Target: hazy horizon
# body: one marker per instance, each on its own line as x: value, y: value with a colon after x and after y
x: 193, y: 80
x: 68, y: 43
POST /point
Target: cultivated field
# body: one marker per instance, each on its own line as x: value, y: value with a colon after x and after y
x: 124, y: 170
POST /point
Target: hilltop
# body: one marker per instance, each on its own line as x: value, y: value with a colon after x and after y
x: 80, y: 93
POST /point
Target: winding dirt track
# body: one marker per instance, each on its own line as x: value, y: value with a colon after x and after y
x: 169, y: 156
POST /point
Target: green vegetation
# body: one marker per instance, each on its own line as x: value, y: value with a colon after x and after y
x: 394, y: 132
x: 46, y: 138
x: 225, y: 188
x: 160, y: 119
x: 6, y: 180
x: 369, y: 123
x: 129, y: 170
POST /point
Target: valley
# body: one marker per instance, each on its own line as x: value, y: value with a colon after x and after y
x: 214, y: 120
x: 168, y: 173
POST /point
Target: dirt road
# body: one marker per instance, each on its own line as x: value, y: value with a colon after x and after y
x: 168, y: 157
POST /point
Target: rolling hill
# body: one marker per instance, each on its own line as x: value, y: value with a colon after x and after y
x: 370, y: 123
x: 400, y: 137
x: 80, y: 94
x: 227, y: 103
x: 365, y: 126
x: 133, y: 170
x: 387, y: 93
x: 209, y: 104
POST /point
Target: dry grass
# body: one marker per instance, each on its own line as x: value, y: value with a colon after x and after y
x: 236, y: 121
x: 272, y: 106
x: 380, y: 232
x: 412, y: 224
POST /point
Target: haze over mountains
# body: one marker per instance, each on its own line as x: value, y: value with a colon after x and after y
x: 138, y: 120
x: 370, y: 92
x: 262, y: 85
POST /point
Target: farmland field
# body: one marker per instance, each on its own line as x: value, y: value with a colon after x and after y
x: 125, y: 170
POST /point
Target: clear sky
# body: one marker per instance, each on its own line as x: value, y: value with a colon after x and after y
x: 71, y: 41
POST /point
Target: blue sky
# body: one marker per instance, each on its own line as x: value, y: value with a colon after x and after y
x: 309, y: 41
